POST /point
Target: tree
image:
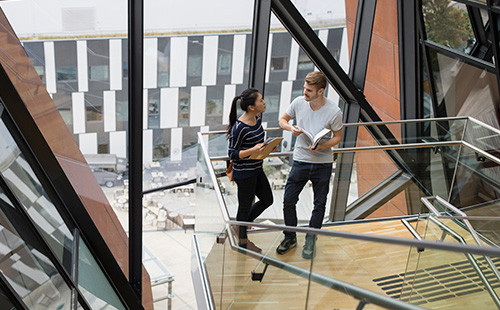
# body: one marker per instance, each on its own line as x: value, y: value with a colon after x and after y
x: 446, y: 24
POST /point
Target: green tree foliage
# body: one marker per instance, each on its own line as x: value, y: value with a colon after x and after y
x: 446, y: 23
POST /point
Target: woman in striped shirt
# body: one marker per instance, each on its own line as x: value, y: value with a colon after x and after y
x: 246, y: 137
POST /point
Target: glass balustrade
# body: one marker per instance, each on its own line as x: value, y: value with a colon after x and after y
x: 348, y: 269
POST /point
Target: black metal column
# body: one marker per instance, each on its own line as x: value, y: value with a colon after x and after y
x: 360, y: 52
x: 260, y: 43
x: 411, y: 102
x: 494, y: 36
x: 135, y: 131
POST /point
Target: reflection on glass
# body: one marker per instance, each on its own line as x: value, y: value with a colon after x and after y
x: 476, y: 180
x: 447, y: 23
x: 436, y: 278
x: 26, y: 266
x: 485, y: 138
x: 93, y: 284
x: 464, y: 90
x: 488, y: 229
x: 28, y: 189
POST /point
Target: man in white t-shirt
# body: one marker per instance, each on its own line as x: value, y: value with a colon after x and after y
x: 312, y: 112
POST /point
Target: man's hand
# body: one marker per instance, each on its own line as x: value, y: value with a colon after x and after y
x: 296, y: 130
x: 315, y: 149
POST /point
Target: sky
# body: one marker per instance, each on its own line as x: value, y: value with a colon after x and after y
x: 32, y: 18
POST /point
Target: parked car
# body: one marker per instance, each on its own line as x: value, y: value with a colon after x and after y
x: 107, y: 178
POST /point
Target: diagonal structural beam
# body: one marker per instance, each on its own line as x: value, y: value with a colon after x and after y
x: 260, y: 43
x: 302, y: 32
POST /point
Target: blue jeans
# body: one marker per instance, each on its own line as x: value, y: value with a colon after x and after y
x: 301, y: 172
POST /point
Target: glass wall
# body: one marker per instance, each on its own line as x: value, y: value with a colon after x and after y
x: 37, y: 239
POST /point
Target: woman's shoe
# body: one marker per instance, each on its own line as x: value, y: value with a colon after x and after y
x: 249, y: 245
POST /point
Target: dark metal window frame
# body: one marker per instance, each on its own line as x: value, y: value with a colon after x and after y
x: 57, y: 186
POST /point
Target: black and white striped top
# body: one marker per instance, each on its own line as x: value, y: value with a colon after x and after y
x: 244, y: 137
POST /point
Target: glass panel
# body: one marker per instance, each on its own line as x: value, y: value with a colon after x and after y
x: 26, y: 266
x: 476, y: 181
x: 422, y: 132
x: 488, y: 229
x: 208, y: 217
x: 484, y: 138
x: 447, y: 23
x: 93, y: 284
x: 464, y: 90
x: 28, y: 189
x: 286, y: 285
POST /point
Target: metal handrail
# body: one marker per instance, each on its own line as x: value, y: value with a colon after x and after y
x: 407, y: 121
x: 483, y: 124
x: 367, y: 148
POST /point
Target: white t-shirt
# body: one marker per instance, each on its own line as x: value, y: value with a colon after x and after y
x: 329, y: 116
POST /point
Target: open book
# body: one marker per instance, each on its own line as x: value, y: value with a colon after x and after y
x: 315, y: 140
x: 269, y: 145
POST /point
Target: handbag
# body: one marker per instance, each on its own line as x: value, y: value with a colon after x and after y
x: 229, y: 171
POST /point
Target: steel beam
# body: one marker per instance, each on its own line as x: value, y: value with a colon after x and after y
x: 260, y: 43
x: 135, y: 143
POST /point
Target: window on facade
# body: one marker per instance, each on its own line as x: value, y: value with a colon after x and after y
x: 163, y: 62
x: 194, y: 65
x: 153, y: 112
x: 125, y: 69
x: 214, y: 107
x: 184, y: 98
x: 163, y: 71
x: 247, y: 63
x: 103, y: 149
x: 305, y: 63
x: 99, y: 73
x: 94, y: 113
x: 448, y: 25
x: 66, y: 74
x: 224, y: 64
x: 40, y: 70
x: 279, y: 63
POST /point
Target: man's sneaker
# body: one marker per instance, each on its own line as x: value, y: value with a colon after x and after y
x: 286, y: 245
x: 309, y: 250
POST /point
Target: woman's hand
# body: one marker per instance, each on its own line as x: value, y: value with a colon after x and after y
x: 257, y: 148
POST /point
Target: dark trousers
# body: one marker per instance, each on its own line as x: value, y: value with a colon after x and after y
x: 248, y: 188
x: 301, y: 172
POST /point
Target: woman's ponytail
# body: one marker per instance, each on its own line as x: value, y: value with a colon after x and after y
x: 247, y: 98
x: 232, y: 115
